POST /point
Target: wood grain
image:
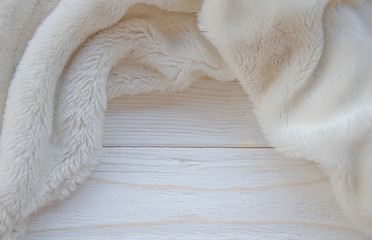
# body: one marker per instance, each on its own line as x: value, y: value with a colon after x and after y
x: 194, y: 165
x: 187, y: 193
x: 208, y: 114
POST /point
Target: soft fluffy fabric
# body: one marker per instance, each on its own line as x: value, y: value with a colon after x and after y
x: 305, y: 64
x: 18, y: 22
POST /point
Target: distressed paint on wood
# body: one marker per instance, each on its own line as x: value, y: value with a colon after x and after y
x: 208, y: 114
x: 194, y: 165
x: 187, y: 193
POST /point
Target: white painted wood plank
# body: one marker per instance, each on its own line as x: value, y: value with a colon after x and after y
x: 207, y: 231
x: 197, y: 193
x: 208, y: 114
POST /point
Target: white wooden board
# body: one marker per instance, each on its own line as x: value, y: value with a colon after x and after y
x: 208, y: 114
x: 194, y: 166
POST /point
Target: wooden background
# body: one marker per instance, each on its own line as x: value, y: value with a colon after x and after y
x: 194, y: 165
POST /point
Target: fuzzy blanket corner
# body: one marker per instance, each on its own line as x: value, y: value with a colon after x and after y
x: 305, y: 65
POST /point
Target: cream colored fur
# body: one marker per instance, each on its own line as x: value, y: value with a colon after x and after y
x: 305, y: 64
x: 307, y: 71
x: 18, y: 22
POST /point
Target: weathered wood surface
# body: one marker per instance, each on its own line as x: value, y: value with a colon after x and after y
x: 208, y: 114
x: 194, y: 165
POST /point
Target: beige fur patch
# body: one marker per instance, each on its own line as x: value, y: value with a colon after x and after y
x: 352, y: 3
x: 264, y: 56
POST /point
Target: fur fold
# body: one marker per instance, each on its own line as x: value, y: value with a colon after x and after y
x: 305, y: 65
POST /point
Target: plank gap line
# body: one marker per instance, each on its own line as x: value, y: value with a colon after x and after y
x: 178, y: 147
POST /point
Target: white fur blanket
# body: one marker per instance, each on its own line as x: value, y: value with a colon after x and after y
x: 305, y: 64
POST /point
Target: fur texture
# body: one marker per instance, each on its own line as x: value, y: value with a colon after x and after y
x: 304, y: 64
x: 306, y: 68
x: 18, y: 22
